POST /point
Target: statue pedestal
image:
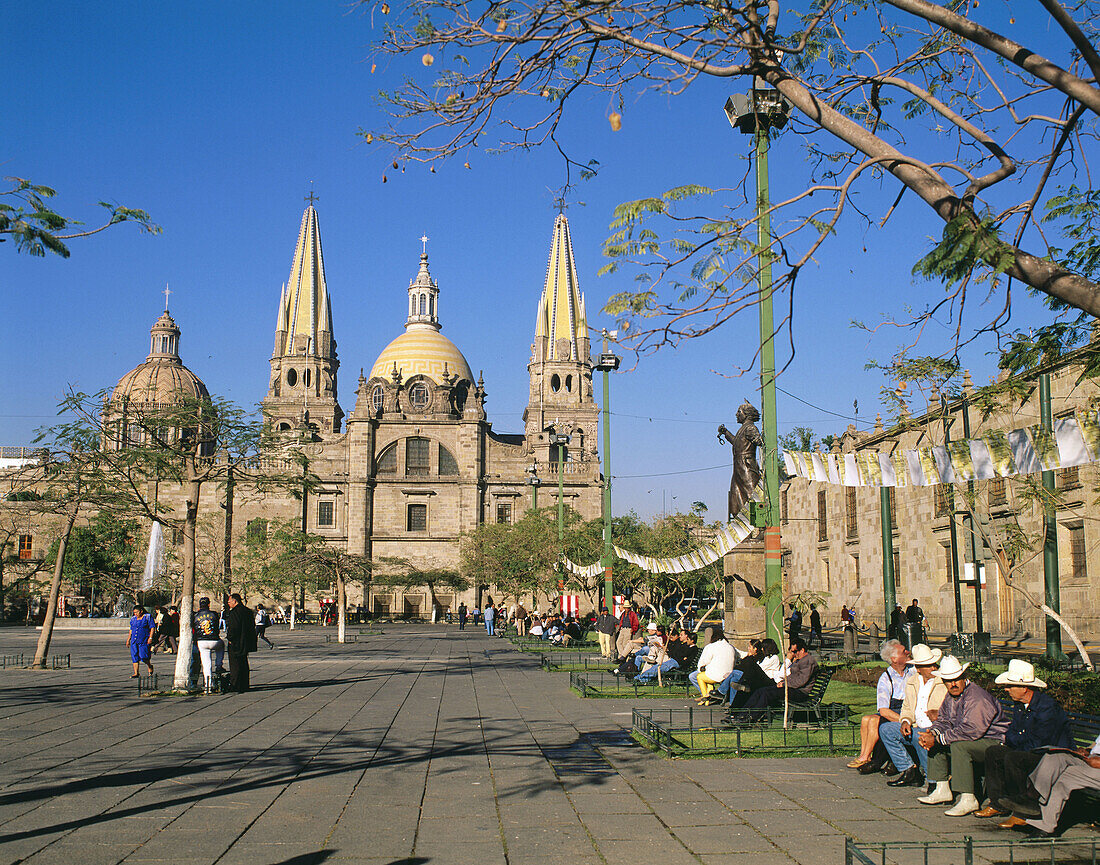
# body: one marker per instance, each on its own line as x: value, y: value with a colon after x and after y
x: 744, y: 614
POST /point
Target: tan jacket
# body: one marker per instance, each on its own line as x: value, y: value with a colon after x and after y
x: 912, y: 690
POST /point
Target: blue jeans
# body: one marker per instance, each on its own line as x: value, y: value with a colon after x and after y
x: 899, y: 746
x: 640, y: 656
x: 724, y: 687
x: 651, y: 674
x: 489, y: 627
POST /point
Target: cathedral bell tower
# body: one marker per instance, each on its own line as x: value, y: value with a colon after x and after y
x: 561, y: 370
x: 302, y: 389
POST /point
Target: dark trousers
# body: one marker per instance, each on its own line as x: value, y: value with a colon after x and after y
x: 238, y: 672
x: 1006, y: 772
x: 770, y: 695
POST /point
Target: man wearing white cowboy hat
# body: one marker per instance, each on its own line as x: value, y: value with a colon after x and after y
x: 1038, y: 721
x: 924, y: 692
x: 970, y: 722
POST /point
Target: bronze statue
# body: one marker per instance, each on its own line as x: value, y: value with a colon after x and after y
x: 746, y: 470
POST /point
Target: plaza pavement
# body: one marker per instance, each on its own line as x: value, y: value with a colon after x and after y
x: 421, y: 745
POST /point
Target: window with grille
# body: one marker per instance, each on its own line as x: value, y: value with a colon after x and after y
x: 997, y: 492
x: 855, y: 571
x: 851, y: 512
x: 377, y: 397
x: 26, y: 546
x: 1069, y: 479
x: 387, y: 461
x: 948, y: 564
x: 892, y: 496
x: 504, y: 512
x: 417, y: 518
x: 417, y: 456
x: 448, y: 465
x: 945, y: 499
x: 256, y: 530
x: 784, y: 515
x: 326, y: 513
x: 1077, y: 552
x: 897, y: 573
x: 822, y: 517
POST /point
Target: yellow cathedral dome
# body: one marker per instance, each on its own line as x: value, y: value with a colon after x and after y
x: 422, y: 349
x: 422, y: 352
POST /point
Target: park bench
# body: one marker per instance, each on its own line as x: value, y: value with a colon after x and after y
x: 1085, y: 730
x: 811, y: 708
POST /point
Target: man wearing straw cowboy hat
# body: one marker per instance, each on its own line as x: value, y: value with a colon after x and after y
x: 970, y: 722
x: 924, y: 692
x: 1038, y: 721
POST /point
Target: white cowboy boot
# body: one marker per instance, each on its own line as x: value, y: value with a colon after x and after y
x: 940, y: 796
x: 968, y: 803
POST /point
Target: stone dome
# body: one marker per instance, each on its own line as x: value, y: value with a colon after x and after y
x: 162, y: 379
x: 422, y: 352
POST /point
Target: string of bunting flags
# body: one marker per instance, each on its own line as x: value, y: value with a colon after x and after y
x: 1073, y: 441
x: 727, y: 538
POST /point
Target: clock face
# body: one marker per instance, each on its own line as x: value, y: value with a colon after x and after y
x: 419, y: 396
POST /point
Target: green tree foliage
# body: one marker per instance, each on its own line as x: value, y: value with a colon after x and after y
x: 28, y: 219
x: 101, y: 555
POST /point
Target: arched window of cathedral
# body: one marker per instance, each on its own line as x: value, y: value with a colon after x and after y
x: 431, y: 304
x: 448, y: 465
x: 284, y: 427
x: 423, y: 304
x: 412, y: 305
x: 377, y: 397
x: 306, y: 377
x: 133, y: 434
x: 417, y: 456
x: 558, y: 453
x: 387, y: 461
x: 291, y: 377
x: 569, y: 383
x: 555, y: 382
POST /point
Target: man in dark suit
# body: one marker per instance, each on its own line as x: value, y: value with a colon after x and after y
x: 240, y: 631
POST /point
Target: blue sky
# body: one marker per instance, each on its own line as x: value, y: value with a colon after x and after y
x: 217, y: 117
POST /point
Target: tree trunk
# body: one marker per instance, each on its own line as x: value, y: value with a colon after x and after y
x: 181, y: 681
x: 42, y: 652
x: 341, y: 607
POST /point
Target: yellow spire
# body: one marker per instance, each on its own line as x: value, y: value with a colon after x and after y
x: 561, y: 316
x: 305, y: 313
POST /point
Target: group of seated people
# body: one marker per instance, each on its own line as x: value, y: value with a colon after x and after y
x: 750, y: 681
x: 934, y: 726
x: 555, y: 629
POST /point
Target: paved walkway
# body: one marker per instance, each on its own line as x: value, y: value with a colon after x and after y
x: 422, y: 745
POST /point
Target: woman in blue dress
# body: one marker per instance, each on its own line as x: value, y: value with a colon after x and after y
x: 140, y: 639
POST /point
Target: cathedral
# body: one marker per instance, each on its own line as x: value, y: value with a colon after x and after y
x: 415, y: 464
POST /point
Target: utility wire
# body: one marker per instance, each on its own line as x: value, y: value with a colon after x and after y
x: 666, y: 474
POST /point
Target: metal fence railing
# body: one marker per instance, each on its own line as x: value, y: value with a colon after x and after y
x: 536, y: 644
x: 1006, y: 851
x: 572, y: 662
x: 55, y: 662
x: 158, y: 683
x: 601, y: 683
x: 705, y: 731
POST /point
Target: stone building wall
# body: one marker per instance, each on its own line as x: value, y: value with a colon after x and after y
x: 841, y: 554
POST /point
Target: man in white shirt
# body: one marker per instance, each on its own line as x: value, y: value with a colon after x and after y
x: 716, y: 661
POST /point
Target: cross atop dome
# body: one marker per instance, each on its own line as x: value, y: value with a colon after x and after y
x: 167, y: 291
x: 424, y: 240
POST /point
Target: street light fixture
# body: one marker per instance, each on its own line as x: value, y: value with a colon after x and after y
x: 561, y: 440
x: 606, y: 363
x: 534, y: 480
x: 761, y: 110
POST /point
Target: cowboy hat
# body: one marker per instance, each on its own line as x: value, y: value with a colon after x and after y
x: 951, y: 669
x: 924, y: 656
x: 1020, y: 673
x: 652, y: 626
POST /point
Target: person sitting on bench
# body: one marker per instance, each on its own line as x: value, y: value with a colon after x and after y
x: 717, y: 661
x: 1054, y: 780
x: 678, y: 652
x: 800, y: 679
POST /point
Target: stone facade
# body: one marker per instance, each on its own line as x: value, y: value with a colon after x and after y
x: 416, y: 464
x: 832, y: 535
